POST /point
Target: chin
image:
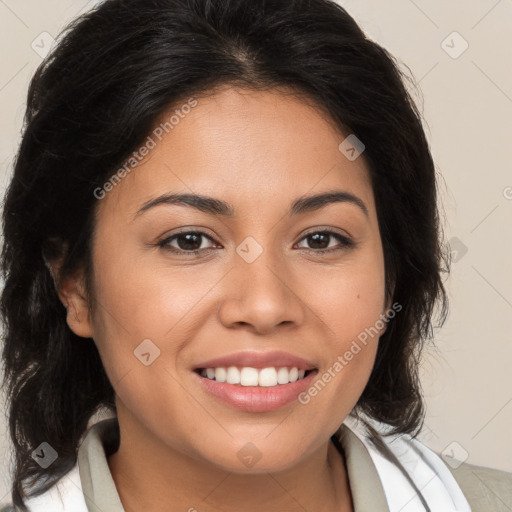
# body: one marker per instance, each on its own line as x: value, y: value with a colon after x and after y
x: 255, y: 457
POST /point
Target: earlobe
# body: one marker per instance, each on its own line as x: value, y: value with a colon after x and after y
x: 78, y: 315
x: 72, y: 294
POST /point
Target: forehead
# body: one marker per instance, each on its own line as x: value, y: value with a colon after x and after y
x: 257, y: 149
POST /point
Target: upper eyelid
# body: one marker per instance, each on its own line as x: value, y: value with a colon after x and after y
x: 329, y: 231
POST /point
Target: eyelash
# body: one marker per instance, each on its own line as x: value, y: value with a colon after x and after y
x: 345, y: 243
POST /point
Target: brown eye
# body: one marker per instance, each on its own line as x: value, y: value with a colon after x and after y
x: 191, y: 242
x: 186, y: 242
x: 319, y: 241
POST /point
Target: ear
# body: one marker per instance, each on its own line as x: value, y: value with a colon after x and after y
x: 72, y: 294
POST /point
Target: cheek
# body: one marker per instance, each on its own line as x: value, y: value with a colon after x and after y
x: 348, y: 299
x: 347, y: 309
x: 351, y: 315
x: 350, y: 305
x: 142, y: 298
x: 140, y: 325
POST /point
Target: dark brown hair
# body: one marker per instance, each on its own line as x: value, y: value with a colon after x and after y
x: 93, y: 101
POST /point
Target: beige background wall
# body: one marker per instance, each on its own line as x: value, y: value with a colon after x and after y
x: 467, y: 104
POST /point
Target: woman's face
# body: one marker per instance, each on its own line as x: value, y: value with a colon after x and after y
x: 266, y: 287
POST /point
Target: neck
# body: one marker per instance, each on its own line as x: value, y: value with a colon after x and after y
x: 152, y: 477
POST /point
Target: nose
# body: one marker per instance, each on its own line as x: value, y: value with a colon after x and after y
x: 261, y: 295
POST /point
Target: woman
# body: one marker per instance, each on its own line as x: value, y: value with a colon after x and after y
x: 222, y: 229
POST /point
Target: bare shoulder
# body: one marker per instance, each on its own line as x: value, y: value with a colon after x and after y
x: 485, y: 488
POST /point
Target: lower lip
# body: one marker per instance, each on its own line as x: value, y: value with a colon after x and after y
x: 256, y: 398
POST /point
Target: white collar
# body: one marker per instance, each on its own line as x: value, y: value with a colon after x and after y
x: 65, y: 496
x: 426, y: 469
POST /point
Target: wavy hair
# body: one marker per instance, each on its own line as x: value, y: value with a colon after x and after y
x: 114, y: 72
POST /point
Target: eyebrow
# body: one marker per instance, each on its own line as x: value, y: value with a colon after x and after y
x: 215, y: 206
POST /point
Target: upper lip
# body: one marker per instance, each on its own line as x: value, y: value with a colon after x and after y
x: 258, y: 360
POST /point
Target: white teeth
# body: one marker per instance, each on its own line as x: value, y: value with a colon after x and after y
x: 220, y: 374
x: 267, y: 377
x: 248, y: 376
x: 282, y: 376
x: 233, y: 375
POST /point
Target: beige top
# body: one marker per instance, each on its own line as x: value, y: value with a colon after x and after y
x: 487, y: 490
x: 100, y: 491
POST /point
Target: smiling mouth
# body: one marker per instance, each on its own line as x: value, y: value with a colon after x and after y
x: 254, y: 377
